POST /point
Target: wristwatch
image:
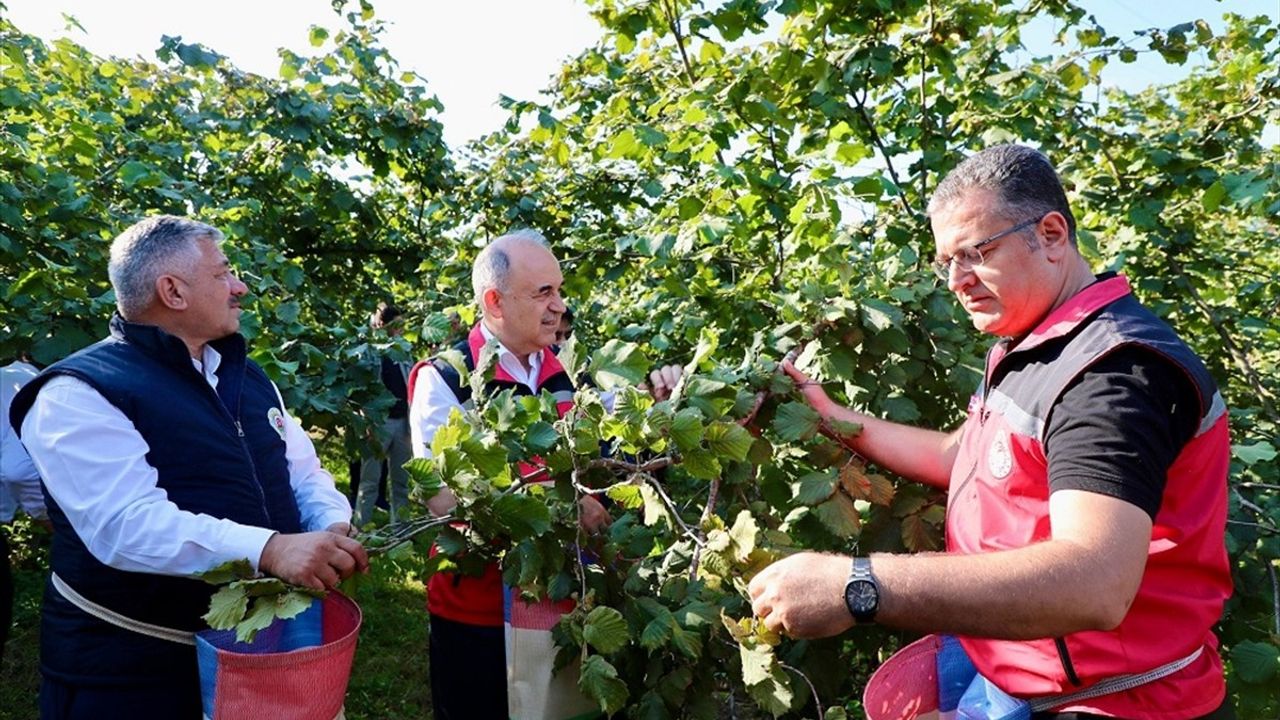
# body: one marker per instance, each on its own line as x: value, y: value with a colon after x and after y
x: 862, y: 592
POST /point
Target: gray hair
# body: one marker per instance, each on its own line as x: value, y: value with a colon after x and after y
x: 492, y: 268
x: 1022, y: 177
x: 151, y: 248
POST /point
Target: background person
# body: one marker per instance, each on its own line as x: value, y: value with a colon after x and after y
x: 19, y: 483
x: 1086, y: 489
x: 565, y: 329
x: 164, y: 452
x: 391, y: 449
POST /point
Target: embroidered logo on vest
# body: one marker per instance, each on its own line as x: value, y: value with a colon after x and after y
x: 999, y: 460
x: 975, y: 403
x: 276, y: 418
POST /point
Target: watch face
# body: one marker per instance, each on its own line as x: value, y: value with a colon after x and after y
x: 861, y: 596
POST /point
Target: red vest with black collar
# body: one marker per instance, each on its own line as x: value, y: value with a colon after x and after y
x: 999, y: 500
x: 470, y: 599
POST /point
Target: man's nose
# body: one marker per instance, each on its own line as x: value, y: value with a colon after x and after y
x: 557, y: 304
x: 238, y: 288
x: 959, y: 278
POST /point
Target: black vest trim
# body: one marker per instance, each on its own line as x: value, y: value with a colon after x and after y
x: 558, y: 384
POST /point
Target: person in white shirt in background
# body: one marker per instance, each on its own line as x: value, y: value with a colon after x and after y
x: 19, y: 484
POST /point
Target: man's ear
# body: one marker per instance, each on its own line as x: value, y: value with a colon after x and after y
x: 171, y: 292
x: 1057, y: 235
x: 493, y: 303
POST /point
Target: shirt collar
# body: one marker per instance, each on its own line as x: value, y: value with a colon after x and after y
x: 208, y: 364
x: 508, y: 358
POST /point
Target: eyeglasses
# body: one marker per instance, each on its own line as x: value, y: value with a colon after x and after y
x: 971, y: 257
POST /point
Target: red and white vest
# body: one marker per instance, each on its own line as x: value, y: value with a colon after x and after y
x: 999, y: 500
x: 463, y: 598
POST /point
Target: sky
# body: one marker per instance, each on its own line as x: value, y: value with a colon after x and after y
x: 471, y: 51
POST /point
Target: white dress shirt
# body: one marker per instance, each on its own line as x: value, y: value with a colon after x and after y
x: 94, y: 463
x: 433, y: 401
x: 19, y: 481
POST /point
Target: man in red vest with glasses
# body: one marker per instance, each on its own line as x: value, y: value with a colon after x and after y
x: 517, y: 282
x: 1087, y: 488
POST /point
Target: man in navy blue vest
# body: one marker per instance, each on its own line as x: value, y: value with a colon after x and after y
x: 165, y: 451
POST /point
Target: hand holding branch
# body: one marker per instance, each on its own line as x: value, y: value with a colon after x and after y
x: 318, y: 560
x: 802, y: 596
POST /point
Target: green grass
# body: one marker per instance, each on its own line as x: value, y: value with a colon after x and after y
x: 388, y: 680
x: 20, y: 668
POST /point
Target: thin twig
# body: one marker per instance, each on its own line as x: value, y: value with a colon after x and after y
x: 884, y: 152
x: 1258, y: 511
x: 817, y: 702
x: 1237, y: 353
x: 702, y: 523
x: 673, y: 22
x: 624, y: 466
x: 1275, y: 594
x: 1258, y: 526
x: 755, y: 408
x: 924, y: 102
x: 763, y: 395
x: 578, y: 562
x: 400, y: 533
x: 673, y: 510
x: 584, y: 490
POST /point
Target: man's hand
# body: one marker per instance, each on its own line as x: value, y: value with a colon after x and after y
x: 442, y: 503
x: 341, y: 528
x: 592, y: 515
x: 318, y: 560
x: 802, y: 596
x: 812, y: 391
x: 663, y: 381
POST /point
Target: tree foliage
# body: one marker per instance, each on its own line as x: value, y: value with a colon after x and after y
x: 724, y: 183
x: 325, y: 181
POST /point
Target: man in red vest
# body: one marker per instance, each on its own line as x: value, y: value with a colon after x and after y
x: 1086, y: 488
x: 517, y: 282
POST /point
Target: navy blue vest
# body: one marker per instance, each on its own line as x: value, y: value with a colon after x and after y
x: 215, y: 452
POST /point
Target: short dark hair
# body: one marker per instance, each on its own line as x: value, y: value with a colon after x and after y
x: 567, y: 315
x: 1022, y: 177
x: 384, y: 315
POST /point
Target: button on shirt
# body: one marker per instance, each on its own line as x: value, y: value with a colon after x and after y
x: 94, y: 462
x: 19, y: 481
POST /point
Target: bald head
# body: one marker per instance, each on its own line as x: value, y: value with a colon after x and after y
x: 492, y: 268
x: 517, y: 282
